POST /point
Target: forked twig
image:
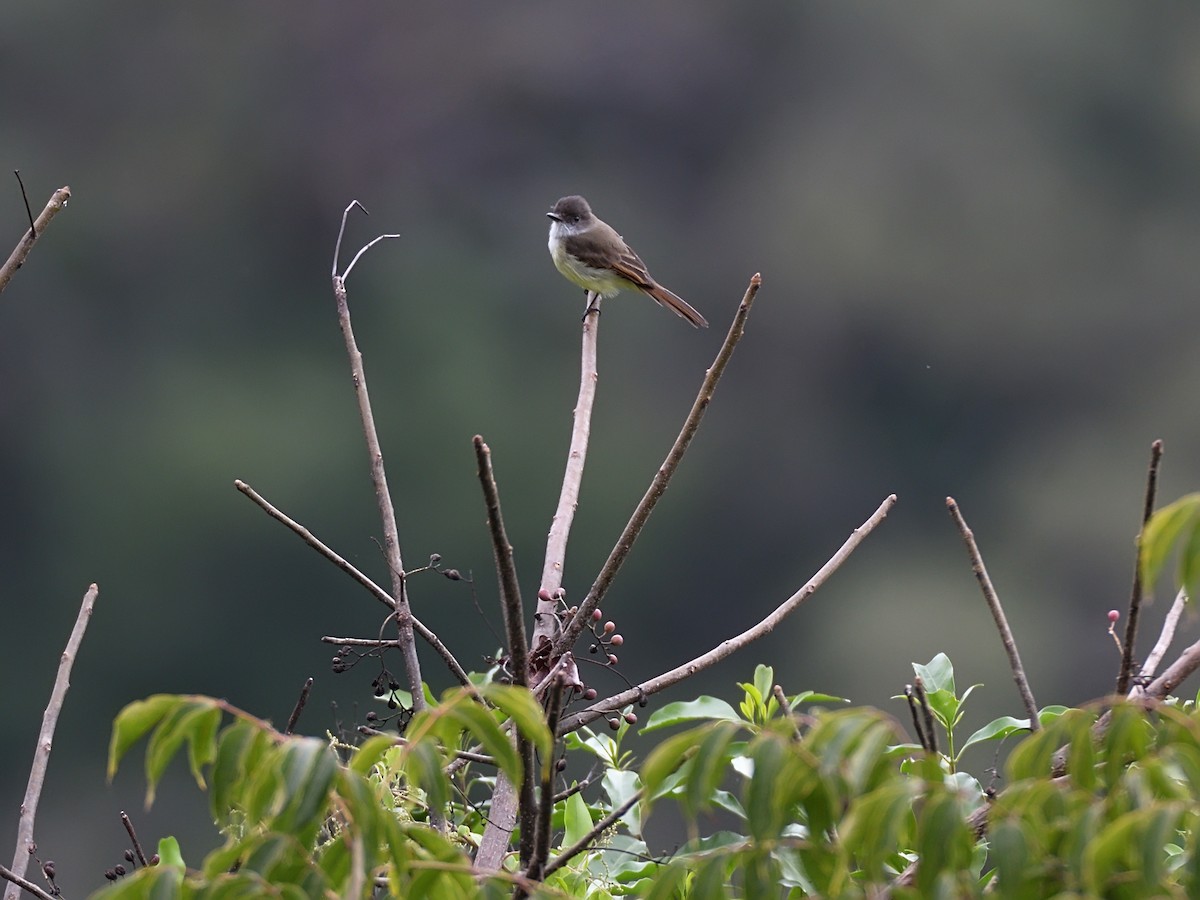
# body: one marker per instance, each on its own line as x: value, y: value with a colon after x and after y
x: 383, y: 498
x: 1170, y: 624
x: 41, y: 756
x: 17, y: 258
x: 662, y: 477
x: 993, y: 602
x: 20, y: 881
x: 732, y: 645
x: 1135, y: 597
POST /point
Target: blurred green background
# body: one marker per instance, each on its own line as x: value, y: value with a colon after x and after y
x: 978, y: 228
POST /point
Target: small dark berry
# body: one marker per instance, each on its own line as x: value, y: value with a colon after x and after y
x: 154, y: 860
x: 128, y: 854
x: 452, y: 574
x: 560, y: 765
x: 631, y: 718
x: 595, y: 648
x: 119, y: 869
x: 372, y: 716
x: 48, y: 869
x: 110, y: 874
x: 614, y: 724
x: 590, y: 694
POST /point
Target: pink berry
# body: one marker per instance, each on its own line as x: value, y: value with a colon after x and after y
x: 1113, y: 615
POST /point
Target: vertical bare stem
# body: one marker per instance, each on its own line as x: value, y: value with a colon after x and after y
x: 993, y: 602
x: 1135, y: 598
x: 41, y: 757
x: 387, y: 512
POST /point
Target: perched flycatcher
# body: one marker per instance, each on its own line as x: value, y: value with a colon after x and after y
x: 589, y: 253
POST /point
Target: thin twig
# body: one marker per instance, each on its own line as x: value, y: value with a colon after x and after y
x: 25, y: 200
x: 379, y: 593
x: 993, y: 602
x: 301, y: 701
x: 596, y: 830
x: 24, y: 884
x: 662, y: 477
x: 1135, y: 597
x: 383, y: 498
x: 17, y: 259
x: 730, y: 646
x: 41, y: 756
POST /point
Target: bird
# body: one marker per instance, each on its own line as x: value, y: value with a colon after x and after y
x: 588, y: 252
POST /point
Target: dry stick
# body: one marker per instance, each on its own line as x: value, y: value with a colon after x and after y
x: 993, y: 602
x: 496, y: 835
x: 299, y: 707
x: 514, y: 626
x: 598, y: 829
x: 137, y: 845
x: 41, y: 757
x: 17, y: 259
x: 732, y: 645
x: 1170, y: 624
x: 1135, y: 598
x: 387, y: 512
x: 546, y: 620
x: 662, y: 477
x: 24, y: 884
x: 379, y: 593
x: 506, y: 568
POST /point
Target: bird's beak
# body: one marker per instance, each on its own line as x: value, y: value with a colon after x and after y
x: 551, y: 215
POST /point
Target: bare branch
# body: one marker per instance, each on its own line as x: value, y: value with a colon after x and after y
x: 379, y: 593
x: 24, y: 884
x: 301, y: 702
x: 506, y: 569
x: 383, y: 498
x: 41, y: 756
x: 1135, y: 597
x: 546, y: 620
x: 1170, y: 624
x: 662, y: 477
x: 732, y: 645
x: 17, y: 259
x: 993, y: 602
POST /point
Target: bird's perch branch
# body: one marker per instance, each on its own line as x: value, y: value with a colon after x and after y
x: 1135, y: 597
x: 662, y: 477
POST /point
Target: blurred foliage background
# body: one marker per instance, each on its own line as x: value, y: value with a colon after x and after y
x: 977, y: 227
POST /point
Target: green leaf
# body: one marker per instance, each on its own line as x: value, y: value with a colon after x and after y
x: 190, y: 721
x: 577, y: 820
x: 1179, y: 520
x: 134, y: 721
x: 705, y: 708
x: 937, y: 674
x: 669, y: 756
x: 519, y: 704
x: 478, y: 721
x: 309, y: 768
x: 996, y: 729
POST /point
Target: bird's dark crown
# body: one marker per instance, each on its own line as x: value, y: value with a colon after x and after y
x: 570, y: 209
